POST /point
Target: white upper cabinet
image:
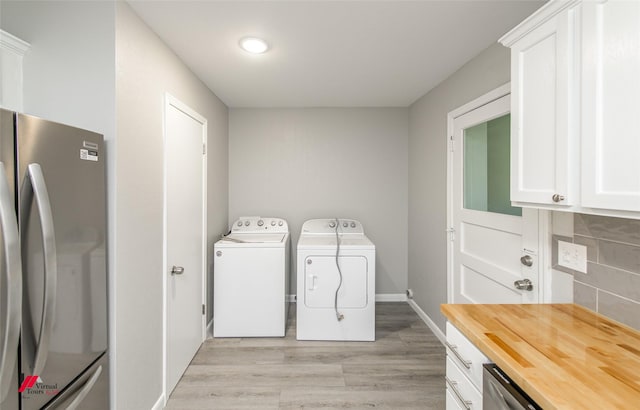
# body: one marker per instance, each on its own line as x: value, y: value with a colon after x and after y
x: 575, y: 82
x: 611, y: 105
x: 542, y: 144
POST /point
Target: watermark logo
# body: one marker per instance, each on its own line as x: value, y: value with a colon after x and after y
x: 28, y: 382
x: 33, y: 385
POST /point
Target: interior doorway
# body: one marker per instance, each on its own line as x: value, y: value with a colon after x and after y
x: 493, y: 246
x: 185, y: 238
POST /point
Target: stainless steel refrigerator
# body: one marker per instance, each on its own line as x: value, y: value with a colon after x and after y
x: 53, y: 278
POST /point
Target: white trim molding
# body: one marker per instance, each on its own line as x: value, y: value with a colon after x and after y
x: 539, y: 17
x: 391, y: 297
x: 427, y: 320
x: 12, y: 51
x: 13, y: 43
x: 159, y: 405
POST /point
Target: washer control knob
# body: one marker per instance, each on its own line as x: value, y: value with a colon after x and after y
x: 219, y: 253
x: 239, y: 223
x: 332, y: 224
x: 260, y: 222
x: 246, y: 223
x: 345, y: 224
x: 353, y: 224
x: 280, y: 223
x: 273, y: 223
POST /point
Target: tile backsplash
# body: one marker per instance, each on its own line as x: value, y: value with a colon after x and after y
x: 611, y: 285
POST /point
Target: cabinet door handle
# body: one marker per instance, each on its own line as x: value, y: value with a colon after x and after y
x: 454, y: 386
x: 466, y: 363
x: 557, y: 198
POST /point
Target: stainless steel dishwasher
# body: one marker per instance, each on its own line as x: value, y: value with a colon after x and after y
x: 499, y: 392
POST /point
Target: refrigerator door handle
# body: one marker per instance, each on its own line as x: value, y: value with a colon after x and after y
x: 34, y: 183
x: 85, y: 390
x: 13, y: 297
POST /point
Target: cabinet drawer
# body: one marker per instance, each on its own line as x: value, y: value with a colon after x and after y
x: 460, y: 391
x: 465, y: 355
x: 452, y: 402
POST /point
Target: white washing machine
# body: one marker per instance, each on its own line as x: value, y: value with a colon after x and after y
x: 318, y: 317
x: 251, y: 279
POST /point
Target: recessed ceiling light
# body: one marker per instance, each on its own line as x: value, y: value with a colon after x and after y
x: 254, y: 45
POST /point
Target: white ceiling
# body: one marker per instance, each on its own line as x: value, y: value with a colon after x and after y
x: 329, y: 53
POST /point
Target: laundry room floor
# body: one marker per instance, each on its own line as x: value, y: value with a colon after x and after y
x: 403, y: 369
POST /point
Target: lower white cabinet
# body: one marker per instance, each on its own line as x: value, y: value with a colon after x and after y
x: 464, y: 393
x: 464, y: 372
x: 452, y: 403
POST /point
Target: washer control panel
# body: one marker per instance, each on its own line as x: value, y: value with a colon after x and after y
x: 257, y: 224
x: 328, y: 226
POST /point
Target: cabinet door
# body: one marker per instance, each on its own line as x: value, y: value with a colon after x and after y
x: 611, y: 105
x: 543, y: 138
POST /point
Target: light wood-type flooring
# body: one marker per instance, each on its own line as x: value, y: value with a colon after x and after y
x: 403, y: 369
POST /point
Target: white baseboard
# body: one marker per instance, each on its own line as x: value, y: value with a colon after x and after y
x: 210, y: 329
x: 381, y: 297
x: 391, y: 297
x: 159, y: 404
x: 427, y: 320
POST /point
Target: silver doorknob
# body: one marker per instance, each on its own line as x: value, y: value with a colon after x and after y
x: 523, y: 284
x: 557, y: 198
x: 177, y: 270
x: 526, y: 260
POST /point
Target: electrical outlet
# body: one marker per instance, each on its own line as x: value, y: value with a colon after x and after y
x: 572, y: 256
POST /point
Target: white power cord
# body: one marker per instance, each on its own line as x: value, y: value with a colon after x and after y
x: 339, y: 315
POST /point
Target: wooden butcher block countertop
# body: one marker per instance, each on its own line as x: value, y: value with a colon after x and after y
x: 562, y: 355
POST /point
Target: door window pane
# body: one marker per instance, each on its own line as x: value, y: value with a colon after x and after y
x: 487, y: 148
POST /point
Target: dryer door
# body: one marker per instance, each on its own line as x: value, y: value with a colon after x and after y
x: 322, y: 279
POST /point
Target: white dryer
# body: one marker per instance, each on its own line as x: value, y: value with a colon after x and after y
x: 327, y: 250
x: 251, y: 279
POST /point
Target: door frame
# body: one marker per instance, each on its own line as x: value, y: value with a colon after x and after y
x: 544, y: 219
x: 171, y: 101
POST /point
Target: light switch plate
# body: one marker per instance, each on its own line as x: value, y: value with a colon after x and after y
x: 572, y: 256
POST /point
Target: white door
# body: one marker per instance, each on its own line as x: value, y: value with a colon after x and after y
x: 185, y: 237
x: 491, y: 242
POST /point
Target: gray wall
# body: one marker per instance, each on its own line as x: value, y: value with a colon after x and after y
x: 145, y: 70
x: 68, y: 71
x: 72, y: 74
x: 611, y: 285
x: 69, y: 74
x: 428, y: 173
x: 300, y: 164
